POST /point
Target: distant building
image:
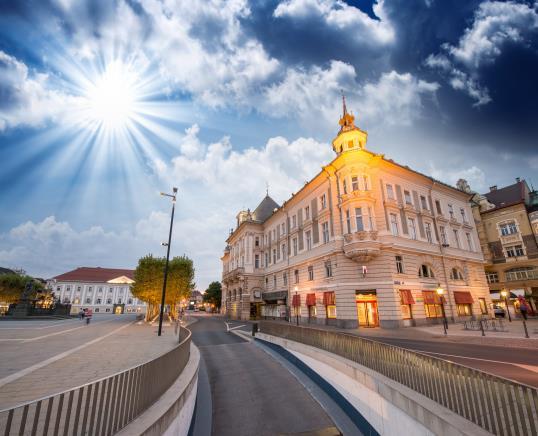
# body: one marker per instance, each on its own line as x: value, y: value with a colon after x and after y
x: 366, y: 242
x: 507, y: 220
x: 196, y: 299
x: 104, y: 290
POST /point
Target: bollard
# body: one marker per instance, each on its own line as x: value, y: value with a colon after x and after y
x: 482, y: 328
x: 254, y: 328
x: 525, y: 327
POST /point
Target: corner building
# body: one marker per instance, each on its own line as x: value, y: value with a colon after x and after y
x: 365, y: 243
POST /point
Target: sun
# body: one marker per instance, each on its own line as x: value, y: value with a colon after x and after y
x: 112, y: 97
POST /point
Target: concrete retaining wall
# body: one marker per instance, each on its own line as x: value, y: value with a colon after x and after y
x: 172, y: 413
x: 391, y: 408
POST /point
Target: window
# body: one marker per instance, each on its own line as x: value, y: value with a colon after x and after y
x: 328, y: 269
x: 312, y: 311
x: 331, y: 312
x: 323, y: 201
x: 492, y: 277
x: 457, y: 238
x: 266, y: 282
x: 274, y: 255
x: 98, y: 301
x: 107, y: 309
x: 119, y: 300
x: 455, y: 274
x: 266, y: 258
x: 438, y: 207
x: 358, y: 219
x: 283, y: 228
x: 390, y: 192
x: 344, y: 186
x: 412, y: 228
x: 365, y: 183
x: 399, y: 265
x: 354, y: 183
x: 308, y: 236
x: 257, y: 261
x: 426, y: 272
x: 285, y: 279
x: 109, y: 301
x: 433, y: 310
x: 508, y: 228
x: 394, y: 224
x: 463, y: 215
x: 423, y: 203
x: 310, y: 273
x: 110, y: 290
x: 442, y: 231
x: 348, y: 221
x: 79, y: 288
x: 428, y: 228
x: 325, y: 231
x: 307, y: 212
x: 294, y: 246
x: 90, y: 289
x: 451, y: 211
x: 130, y: 301
x: 464, y: 309
x: 283, y: 249
x: 68, y: 289
x: 469, y: 241
x: 407, y: 197
x: 294, y: 221
x: 257, y: 241
x: 274, y: 281
x: 370, y: 218
x: 88, y: 300
x: 483, y: 306
x: 58, y: 288
x: 296, y: 275
x: 522, y: 273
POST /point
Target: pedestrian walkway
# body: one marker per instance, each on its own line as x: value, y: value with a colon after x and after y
x: 129, y: 345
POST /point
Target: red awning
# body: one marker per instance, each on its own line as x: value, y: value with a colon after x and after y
x: 431, y: 297
x: 296, y: 301
x: 463, y: 298
x: 310, y: 299
x: 329, y: 299
x: 407, y: 297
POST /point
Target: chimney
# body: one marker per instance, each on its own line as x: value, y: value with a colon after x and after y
x: 518, y: 179
x: 493, y: 188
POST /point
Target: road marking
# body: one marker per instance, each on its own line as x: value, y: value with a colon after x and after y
x: 227, y: 326
x: 236, y: 327
x: 30, y: 369
x: 56, y: 324
x: 527, y: 367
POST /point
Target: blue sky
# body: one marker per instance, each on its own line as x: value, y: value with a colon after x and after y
x: 105, y: 103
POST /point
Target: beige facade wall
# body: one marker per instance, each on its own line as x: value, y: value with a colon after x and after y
x: 384, y: 192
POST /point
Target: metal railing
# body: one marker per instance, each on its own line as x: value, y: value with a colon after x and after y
x: 500, y: 406
x: 496, y: 325
x: 102, y: 407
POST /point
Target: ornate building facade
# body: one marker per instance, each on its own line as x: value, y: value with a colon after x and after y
x: 366, y: 242
x: 507, y: 220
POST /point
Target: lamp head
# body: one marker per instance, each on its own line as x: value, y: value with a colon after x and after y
x: 296, y: 288
x: 504, y: 293
x: 439, y: 290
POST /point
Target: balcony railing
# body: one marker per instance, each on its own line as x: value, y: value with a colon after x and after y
x: 362, y: 246
x: 232, y: 274
x: 512, y: 276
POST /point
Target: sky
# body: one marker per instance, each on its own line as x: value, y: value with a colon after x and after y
x: 106, y: 103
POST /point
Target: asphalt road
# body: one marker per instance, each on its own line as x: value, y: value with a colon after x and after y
x: 251, y: 393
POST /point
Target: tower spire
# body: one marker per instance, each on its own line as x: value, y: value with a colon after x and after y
x: 344, y: 108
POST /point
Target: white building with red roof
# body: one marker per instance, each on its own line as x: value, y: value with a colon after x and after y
x: 104, y: 290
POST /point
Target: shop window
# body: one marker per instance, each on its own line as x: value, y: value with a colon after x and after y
x: 312, y: 311
x: 96, y: 310
x: 464, y: 309
x: 107, y: 310
x: 331, y: 312
x: 433, y: 310
x: 406, y: 300
x: 406, y: 311
x: 483, y: 306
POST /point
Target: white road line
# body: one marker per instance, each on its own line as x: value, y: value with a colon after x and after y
x: 236, y: 327
x: 227, y: 326
x: 528, y: 367
x: 30, y: 369
x: 56, y: 324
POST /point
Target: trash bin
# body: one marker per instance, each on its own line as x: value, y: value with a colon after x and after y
x: 254, y: 328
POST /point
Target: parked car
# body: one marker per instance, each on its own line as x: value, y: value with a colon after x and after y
x: 499, y: 311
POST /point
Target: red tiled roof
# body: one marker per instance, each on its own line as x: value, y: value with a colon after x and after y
x: 98, y: 275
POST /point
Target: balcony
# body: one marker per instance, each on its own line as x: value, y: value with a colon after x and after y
x: 511, y: 239
x: 362, y: 246
x: 392, y: 202
x: 529, y: 274
x: 233, y: 274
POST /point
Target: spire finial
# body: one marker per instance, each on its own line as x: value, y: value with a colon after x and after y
x: 344, y: 108
x: 267, y: 189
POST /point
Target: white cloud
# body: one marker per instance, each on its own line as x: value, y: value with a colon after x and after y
x: 351, y: 21
x: 26, y: 97
x: 495, y: 24
x: 394, y: 99
x: 474, y: 175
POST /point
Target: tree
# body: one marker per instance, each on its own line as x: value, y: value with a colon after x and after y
x: 213, y: 294
x: 149, y: 277
x: 12, y: 285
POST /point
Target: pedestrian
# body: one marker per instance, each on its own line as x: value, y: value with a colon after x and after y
x: 89, y: 314
x: 523, y: 308
x: 80, y: 314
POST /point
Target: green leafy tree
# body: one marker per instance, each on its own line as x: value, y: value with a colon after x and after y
x: 213, y: 293
x: 12, y: 286
x: 149, y: 276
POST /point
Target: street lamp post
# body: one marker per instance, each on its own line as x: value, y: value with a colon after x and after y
x: 297, y: 308
x: 161, y: 313
x: 440, y: 291
x: 504, y: 294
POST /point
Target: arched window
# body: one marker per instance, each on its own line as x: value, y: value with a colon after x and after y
x: 426, y: 272
x: 455, y: 274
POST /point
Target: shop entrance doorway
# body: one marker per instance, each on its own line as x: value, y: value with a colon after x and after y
x: 367, y: 308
